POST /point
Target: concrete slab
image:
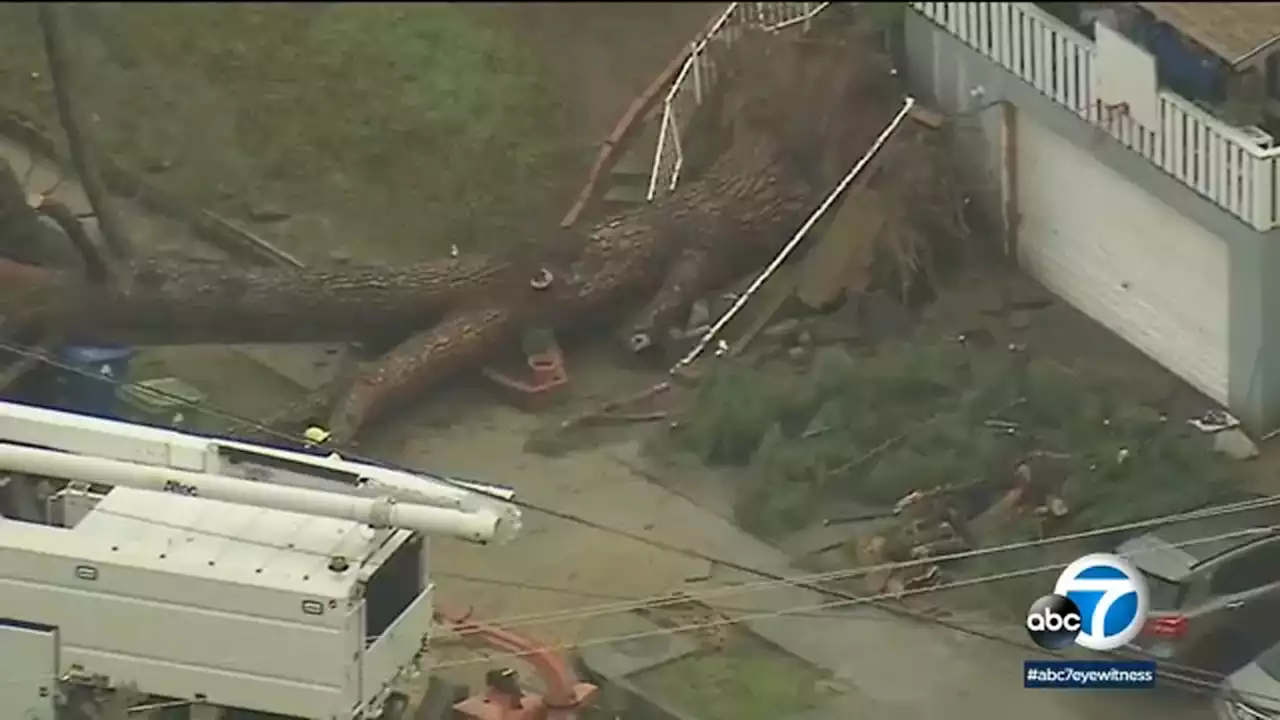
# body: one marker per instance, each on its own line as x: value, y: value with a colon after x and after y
x: 626, y: 658
x: 310, y: 366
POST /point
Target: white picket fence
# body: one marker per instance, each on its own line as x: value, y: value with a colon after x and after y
x: 1219, y: 161
x: 698, y: 76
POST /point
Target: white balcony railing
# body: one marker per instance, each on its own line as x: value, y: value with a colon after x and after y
x: 1217, y: 160
x: 698, y: 76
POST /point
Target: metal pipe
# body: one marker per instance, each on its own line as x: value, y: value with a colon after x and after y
x: 478, y: 526
x: 130, y: 442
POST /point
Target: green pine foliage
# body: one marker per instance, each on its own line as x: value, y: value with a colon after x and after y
x: 873, y: 427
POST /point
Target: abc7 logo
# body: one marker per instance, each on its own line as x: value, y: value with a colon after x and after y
x: 1099, y: 603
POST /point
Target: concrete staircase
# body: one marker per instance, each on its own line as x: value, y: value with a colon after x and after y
x: 655, y: 158
x: 627, y: 183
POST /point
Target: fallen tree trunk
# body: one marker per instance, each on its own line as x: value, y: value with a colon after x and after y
x: 204, y: 302
x: 450, y: 315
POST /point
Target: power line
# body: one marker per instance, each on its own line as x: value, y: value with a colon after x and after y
x: 877, y: 599
x: 823, y: 609
x: 773, y: 579
x: 634, y: 603
x: 861, y: 600
x: 805, y: 581
x: 813, y: 611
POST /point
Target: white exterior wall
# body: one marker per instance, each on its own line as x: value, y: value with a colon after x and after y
x: 1116, y: 253
x: 1097, y: 224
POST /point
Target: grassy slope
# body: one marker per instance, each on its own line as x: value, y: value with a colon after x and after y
x: 413, y: 126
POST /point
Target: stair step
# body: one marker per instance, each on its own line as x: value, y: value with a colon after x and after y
x: 626, y: 194
x: 637, y: 161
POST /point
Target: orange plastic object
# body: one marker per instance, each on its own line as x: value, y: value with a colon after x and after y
x: 546, y: 377
x: 565, y: 696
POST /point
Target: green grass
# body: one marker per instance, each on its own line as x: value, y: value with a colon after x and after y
x: 410, y: 126
x: 745, y: 680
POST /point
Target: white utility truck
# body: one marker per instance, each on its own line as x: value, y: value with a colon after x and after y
x: 214, y: 575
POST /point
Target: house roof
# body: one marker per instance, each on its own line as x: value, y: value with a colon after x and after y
x: 1237, y: 32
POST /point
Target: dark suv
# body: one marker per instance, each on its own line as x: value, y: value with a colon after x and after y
x: 1214, y: 605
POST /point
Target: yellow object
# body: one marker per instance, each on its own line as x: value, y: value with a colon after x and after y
x: 317, y: 435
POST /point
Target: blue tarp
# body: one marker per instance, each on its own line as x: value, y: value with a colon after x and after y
x: 1196, y: 76
x: 88, y: 384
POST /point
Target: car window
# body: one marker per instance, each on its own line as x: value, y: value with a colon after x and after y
x: 1253, y: 568
x: 1163, y: 594
x: 1269, y: 661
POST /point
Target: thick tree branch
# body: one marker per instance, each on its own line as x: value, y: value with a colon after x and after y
x: 451, y: 316
x: 211, y: 302
x: 62, y: 78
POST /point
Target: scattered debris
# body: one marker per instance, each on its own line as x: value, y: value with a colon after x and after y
x: 542, y: 279
x: 263, y: 213
x: 707, y: 626
x: 781, y: 330
x: 609, y: 408
x: 631, y: 417
x: 280, y: 256
x: 1214, y: 421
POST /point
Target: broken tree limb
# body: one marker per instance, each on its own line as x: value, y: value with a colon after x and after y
x: 288, y: 422
x: 419, y: 362
x: 81, y: 151
x: 24, y: 236
x: 620, y: 418
x: 678, y: 291
x: 100, y: 268
x: 614, y: 405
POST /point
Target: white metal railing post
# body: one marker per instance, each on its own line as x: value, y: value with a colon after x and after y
x: 1274, y: 219
x: 665, y: 122
x: 1263, y: 186
x: 1220, y: 162
x: 679, y: 148
x: 695, y: 54
x: 772, y: 16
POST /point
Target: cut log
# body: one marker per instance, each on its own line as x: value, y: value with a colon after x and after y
x: 669, y: 306
x: 419, y: 362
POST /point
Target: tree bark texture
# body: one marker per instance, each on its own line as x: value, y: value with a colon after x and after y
x: 203, y: 302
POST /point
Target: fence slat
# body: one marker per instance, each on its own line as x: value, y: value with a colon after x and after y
x: 1208, y: 155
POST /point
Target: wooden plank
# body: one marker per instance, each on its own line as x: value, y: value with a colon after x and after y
x: 766, y: 303
x: 842, y: 258
x: 929, y: 118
